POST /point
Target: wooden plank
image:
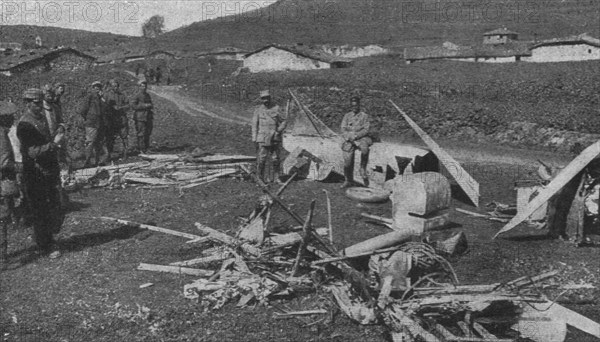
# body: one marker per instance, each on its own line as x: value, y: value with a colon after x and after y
x: 378, y: 242
x: 175, y: 269
x: 305, y: 239
x: 200, y: 181
x: 483, y: 331
x: 203, y: 260
x: 565, y: 175
x: 219, y: 158
x: 469, y: 185
x: 148, y: 180
x: 572, y: 318
x: 228, y: 240
x: 465, y: 329
x: 153, y: 228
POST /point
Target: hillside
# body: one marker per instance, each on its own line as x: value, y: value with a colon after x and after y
x: 389, y: 22
x: 55, y: 36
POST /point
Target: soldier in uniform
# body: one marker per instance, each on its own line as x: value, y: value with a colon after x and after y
x: 59, y: 90
x: 41, y: 172
x: 267, y: 126
x: 355, y: 131
x: 143, y: 116
x: 8, y: 186
x: 118, y: 124
x: 93, y: 114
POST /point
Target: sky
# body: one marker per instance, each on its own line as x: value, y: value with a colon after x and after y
x: 118, y: 16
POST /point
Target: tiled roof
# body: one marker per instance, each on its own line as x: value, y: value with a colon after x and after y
x: 20, y: 57
x: 577, y: 39
x: 499, y: 31
x: 435, y: 52
x: 305, y: 51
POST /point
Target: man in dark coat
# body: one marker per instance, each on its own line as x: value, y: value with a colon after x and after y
x: 143, y: 116
x: 94, y: 116
x: 8, y: 186
x: 41, y: 172
x: 117, y: 122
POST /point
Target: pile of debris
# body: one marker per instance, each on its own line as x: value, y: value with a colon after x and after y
x: 397, y: 279
x: 160, y: 170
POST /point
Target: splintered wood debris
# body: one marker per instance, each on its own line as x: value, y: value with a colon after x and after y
x: 403, y: 282
x: 159, y: 171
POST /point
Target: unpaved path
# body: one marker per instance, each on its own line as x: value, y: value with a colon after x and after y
x: 484, y: 153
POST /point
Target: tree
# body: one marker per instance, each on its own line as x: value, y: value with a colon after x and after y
x: 154, y: 26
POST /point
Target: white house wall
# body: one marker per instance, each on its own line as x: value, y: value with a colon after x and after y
x: 273, y: 59
x: 563, y: 53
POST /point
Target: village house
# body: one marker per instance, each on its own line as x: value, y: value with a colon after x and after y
x: 36, y: 61
x: 508, y: 53
x: 298, y: 57
x: 574, y: 48
x: 499, y: 36
x: 348, y: 51
x: 5, y: 46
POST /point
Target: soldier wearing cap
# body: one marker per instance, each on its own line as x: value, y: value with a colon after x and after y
x: 143, y: 116
x: 267, y: 126
x: 8, y: 186
x: 41, y: 172
x: 355, y: 131
x: 93, y: 113
x: 117, y: 122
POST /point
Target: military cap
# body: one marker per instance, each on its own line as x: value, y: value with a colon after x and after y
x: 33, y: 94
x: 7, y: 108
x: 97, y: 84
x: 47, y: 89
x: 142, y: 82
x: 355, y: 99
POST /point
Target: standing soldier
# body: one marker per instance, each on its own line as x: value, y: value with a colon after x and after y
x: 143, y: 116
x: 59, y: 90
x: 23, y: 211
x: 93, y: 113
x: 355, y: 131
x: 117, y: 122
x: 41, y: 172
x: 267, y: 126
x: 158, y: 74
x: 8, y: 186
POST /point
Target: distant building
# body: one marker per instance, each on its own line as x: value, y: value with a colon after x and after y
x: 10, y: 46
x: 574, y: 48
x: 37, y: 61
x: 160, y: 54
x: 299, y: 57
x: 486, y: 54
x: 348, y: 51
x: 499, y: 36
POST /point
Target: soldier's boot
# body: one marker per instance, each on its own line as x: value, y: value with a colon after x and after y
x: 89, y: 150
x: 363, y: 170
x: 140, y: 144
x: 125, y: 148
x: 348, y: 177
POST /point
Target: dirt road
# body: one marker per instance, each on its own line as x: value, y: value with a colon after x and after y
x: 462, y: 151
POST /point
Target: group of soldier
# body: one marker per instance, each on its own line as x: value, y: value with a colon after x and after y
x: 105, y: 118
x: 33, y: 149
x: 268, y: 124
